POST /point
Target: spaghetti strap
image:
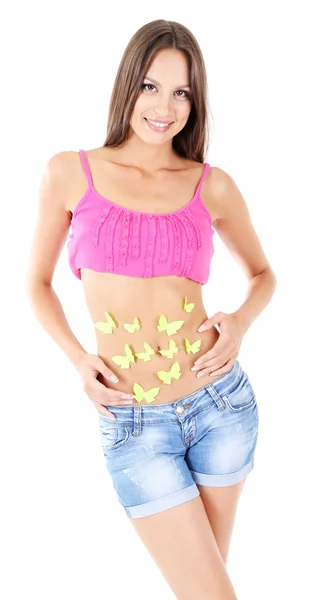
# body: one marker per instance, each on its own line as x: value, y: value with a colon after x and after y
x: 86, y: 167
x: 204, y: 175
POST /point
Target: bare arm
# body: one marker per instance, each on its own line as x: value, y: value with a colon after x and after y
x: 51, y: 232
x: 48, y: 310
x: 236, y: 230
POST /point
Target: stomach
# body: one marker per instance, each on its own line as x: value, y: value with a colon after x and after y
x: 127, y: 298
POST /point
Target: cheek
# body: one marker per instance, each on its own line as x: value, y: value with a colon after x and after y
x: 185, y: 109
x: 142, y: 105
x: 182, y: 112
x: 182, y: 115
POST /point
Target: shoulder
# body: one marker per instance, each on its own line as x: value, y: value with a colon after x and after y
x: 61, y: 160
x: 63, y: 174
x: 61, y: 165
x: 55, y: 176
x: 220, y: 193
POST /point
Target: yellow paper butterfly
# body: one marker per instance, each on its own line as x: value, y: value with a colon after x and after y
x: 172, y: 349
x: 193, y: 348
x: 147, y: 354
x: 167, y: 376
x: 170, y: 328
x: 134, y: 326
x: 188, y: 307
x: 106, y: 327
x: 148, y: 396
x: 124, y: 361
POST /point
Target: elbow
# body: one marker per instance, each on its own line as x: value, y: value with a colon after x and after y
x: 32, y: 287
x: 272, y: 277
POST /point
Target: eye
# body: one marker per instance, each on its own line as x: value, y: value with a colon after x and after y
x: 186, y: 94
x: 144, y: 85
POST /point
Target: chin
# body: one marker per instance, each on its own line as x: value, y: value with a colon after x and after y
x: 154, y: 140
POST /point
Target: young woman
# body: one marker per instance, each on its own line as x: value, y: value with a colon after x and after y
x: 143, y: 209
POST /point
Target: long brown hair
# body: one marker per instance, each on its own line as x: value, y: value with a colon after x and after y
x: 192, y: 141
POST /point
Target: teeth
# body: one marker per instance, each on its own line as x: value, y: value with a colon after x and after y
x: 158, y: 124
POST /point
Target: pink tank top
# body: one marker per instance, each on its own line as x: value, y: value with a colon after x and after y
x: 110, y: 239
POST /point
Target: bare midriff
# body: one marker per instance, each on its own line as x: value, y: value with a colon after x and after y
x: 125, y: 298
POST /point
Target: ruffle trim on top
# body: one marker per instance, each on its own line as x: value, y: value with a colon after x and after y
x: 151, y: 246
x: 124, y: 242
x: 97, y: 227
x: 135, y: 244
x: 109, y: 256
x: 163, y: 239
x: 183, y: 221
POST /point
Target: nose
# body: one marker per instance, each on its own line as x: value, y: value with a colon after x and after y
x: 162, y: 106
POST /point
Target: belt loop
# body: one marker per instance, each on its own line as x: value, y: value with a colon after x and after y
x: 136, y: 421
x: 215, y: 396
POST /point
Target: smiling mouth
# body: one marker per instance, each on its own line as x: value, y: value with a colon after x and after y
x: 158, y: 127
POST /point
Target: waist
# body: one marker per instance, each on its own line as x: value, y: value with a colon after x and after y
x: 186, y: 406
x: 153, y: 339
x: 147, y: 374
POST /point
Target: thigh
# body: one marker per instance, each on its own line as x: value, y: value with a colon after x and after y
x: 220, y: 504
x: 181, y: 542
x: 226, y: 435
x: 148, y: 470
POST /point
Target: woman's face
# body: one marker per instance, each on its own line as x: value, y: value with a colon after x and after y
x: 165, y: 96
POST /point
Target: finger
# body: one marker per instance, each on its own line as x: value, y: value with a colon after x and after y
x: 100, y: 394
x: 221, y: 344
x: 214, y: 364
x: 224, y: 368
x: 108, y: 374
x: 105, y: 370
x: 206, y: 370
x: 217, y: 369
x: 103, y: 403
x: 101, y: 409
x: 211, y: 321
x: 209, y: 360
x: 113, y: 396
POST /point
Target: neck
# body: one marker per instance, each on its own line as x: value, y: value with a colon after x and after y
x: 149, y: 158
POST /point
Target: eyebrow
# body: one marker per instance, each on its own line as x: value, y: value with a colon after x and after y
x: 157, y: 83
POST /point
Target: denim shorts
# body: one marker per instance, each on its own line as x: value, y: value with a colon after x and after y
x: 155, y: 455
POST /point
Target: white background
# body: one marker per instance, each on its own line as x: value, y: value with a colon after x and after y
x: 63, y: 532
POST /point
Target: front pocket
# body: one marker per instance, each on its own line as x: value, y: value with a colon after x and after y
x: 113, y: 437
x: 242, y: 397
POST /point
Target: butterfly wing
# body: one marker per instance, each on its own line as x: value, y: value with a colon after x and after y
x: 103, y: 327
x: 187, y: 346
x: 188, y: 307
x: 129, y: 327
x: 165, y: 353
x: 162, y: 323
x: 165, y: 376
x: 173, y: 348
x: 129, y: 354
x: 120, y: 361
x: 175, y: 370
x: 195, y: 346
x: 151, y: 394
x: 148, y: 349
x: 138, y: 392
x: 144, y: 356
x: 136, y: 323
x: 110, y: 320
x: 173, y: 327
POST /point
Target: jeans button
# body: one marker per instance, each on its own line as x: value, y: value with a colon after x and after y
x: 180, y: 410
